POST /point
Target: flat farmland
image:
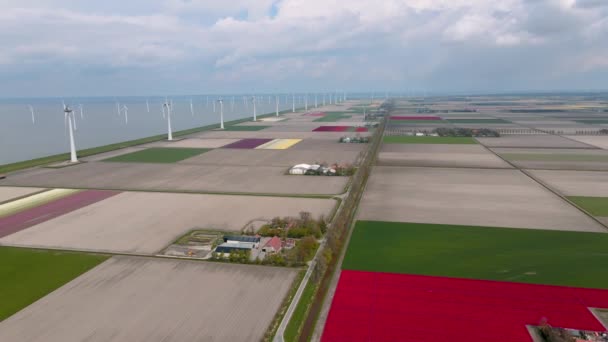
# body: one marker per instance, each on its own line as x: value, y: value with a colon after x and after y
x: 148, y: 299
x: 137, y: 222
x: 8, y: 193
x: 327, y: 145
x: 439, y: 155
x: 274, y: 135
x: 371, y: 306
x: 393, y: 139
x: 480, y: 197
x: 28, y: 275
x: 600, y: 141
x: 262, y: 157
x: 532, y: 141
x: 575, y: 183
x: 194, y: 143
x: 505, y: 254
x: 178, y: 177
x: 556, y: 159
x: 158, y: 155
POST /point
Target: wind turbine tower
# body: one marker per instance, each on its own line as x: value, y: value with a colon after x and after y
x: 222, y: 111
x: 168, y: 105
x: 69, y: 118
x: 254, y: 110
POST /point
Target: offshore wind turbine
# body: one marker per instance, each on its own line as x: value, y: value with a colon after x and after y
x: 168, y: 105
x: 148, y: 105
x: 306, y: 102
x: 32, y: 112
x: 81, y: 111
x: 276, y: 103
x: 293, y: 103
x: 222, y: 111
x: 125, y: 110
x: 323, y: 99
x: 191, y: 108
x: 253, y: 99
x: 70, y: 121
x: 316, y: 103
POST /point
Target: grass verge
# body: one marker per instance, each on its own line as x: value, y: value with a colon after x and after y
x: 159, y: 155
x: 505, y: 254
x: 427, y: 140
x: 28, y: 275
x: 276, y: 322
x: 294, y: 327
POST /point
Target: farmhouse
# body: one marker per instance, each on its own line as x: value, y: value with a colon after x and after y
x: 232, y: 246
x: 272, y: 246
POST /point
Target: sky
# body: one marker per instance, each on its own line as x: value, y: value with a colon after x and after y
x: 160, y: 47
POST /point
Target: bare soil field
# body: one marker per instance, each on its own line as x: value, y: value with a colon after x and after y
x: 328, y: 145
x: 178, y: 177
x: 194, y: 143
x: 148, y: 299
x: 7, y: 193
x: 138, y: 222
x: 111, y: 154
x: 575, y: 183
x: 501, y: 198
x: 556, y: 159
x: 272, y: 135
x: 439, y: 155
x: 262, y: 157
x: 600, y: 141
x: 532, y: 141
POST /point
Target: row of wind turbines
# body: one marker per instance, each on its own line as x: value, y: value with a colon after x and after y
x: 167, y: 111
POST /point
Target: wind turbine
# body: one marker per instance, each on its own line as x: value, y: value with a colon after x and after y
x: 306, y: 102
x: 70, y: 121
x: 323, y: 99
x: 125, y: 109
x: 293, y: 103
x: 148, y: 105
x: 81, y: 111
x: 316, y: 103
x: 32, y: 111
x: 222, y: 112
x: 168, y: 105
x: 118, y: 109
x: 253, y: 99
x: 191, y: 108
x: 276, y: 102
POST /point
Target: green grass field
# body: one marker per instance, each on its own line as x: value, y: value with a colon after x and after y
x: 596, y: 206
x: 333, y: 116
x: 28, y: 275
x: 555, y: 157
x: 245, y: 128
x: 418, y: 122
x: 478, y: 121
x: 507, y: 254
x: 292, y: 331
x: 158, y: 155
x: 427, y: 140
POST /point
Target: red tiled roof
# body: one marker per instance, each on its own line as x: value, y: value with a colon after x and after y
x: 275, y: 243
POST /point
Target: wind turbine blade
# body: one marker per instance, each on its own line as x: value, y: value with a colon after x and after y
x: 33, y: 117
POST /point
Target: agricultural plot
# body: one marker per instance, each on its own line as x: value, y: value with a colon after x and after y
x: 399, y: 307
x: 269, y: 157
x: 158, y: 155
x: 596, y: 206
x: 599, y: 141
x: 179, y: 178
x: 136, y: 222
x: 115, y: 153
x: 556, y: 159
x: 394, y: 139
x: 279, y: 144
x: 480, y: 197
x: 414, y: 118
x: 33, y: 200
x: 340, y: 129
x: 20, y: 220
x: 28, y: 275
x: 532, y: 141
x: 334, y: 116
x: 244, y: 128
x: 274, y: 135
x: 328, y: 145
x: 147, y: 299
x: 195, y: 143
x: 8, y: 193
x: 248, y: 143
x: 505, y: 254
x: 575, y: 183
x: 439, y: 155
x: 482, y: 121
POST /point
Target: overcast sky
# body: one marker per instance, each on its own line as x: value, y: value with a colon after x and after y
x: 145, y: 47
